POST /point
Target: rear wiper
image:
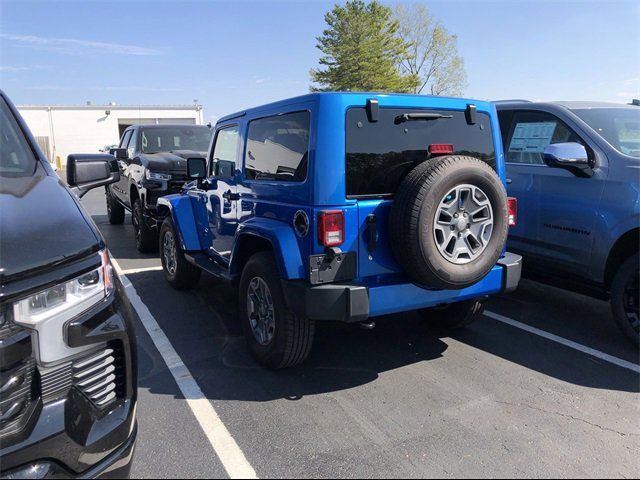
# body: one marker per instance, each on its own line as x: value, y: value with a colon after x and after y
x: 410, y: 117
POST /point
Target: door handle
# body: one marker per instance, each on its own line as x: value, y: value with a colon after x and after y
x: 230, y: 196
x: 509, y: 181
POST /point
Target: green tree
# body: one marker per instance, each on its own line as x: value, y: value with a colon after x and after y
x: 433, y: 52
x: 361, y: 51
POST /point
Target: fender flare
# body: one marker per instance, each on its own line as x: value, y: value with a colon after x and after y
x: 181, y: 211
x: 284, y: 243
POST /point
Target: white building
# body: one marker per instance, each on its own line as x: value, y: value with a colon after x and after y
x: 64, y: 129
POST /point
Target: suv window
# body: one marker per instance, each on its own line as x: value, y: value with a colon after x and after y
x: 168, y: 139
x: 131, y: 145
x: 529, y: 132
x: 125, y: 139
x: 225, y: 148
x: 278, y: 148
x: 380, y: 154
x: 16, y: 158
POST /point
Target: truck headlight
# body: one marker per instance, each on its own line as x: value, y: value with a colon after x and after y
x: 47, y: 311
x: 149, y: 175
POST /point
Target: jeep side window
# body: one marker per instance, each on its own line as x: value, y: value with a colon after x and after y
x: 223, y: 160
x: 277, y: 148
x: 531, y: 131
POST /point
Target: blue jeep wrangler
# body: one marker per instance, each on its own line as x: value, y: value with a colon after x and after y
x: 575, y: 169
x: 344, y: 207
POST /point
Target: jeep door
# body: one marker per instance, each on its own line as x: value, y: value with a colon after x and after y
x: 223, y: 192
x: 557, y: 210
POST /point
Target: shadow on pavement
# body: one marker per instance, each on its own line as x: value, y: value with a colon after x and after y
x: 201, y: 325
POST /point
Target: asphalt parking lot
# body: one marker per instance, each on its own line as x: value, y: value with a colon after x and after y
x: 493, y: 400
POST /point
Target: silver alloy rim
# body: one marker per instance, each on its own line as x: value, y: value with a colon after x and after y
x: 169, y: 253
x: 463, y: 224
x: 260, y: 311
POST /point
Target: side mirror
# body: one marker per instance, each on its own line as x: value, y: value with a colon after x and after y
x: 570, y: 156
x: 119, y: 153
x: 86, y: 171
x: 196, y: 168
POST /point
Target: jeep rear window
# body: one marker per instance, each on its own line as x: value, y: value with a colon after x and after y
x: 380, y: 154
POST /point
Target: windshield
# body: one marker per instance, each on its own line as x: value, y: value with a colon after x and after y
x: 618, y: 126
x: 16, y: 158
x: 168, y: 139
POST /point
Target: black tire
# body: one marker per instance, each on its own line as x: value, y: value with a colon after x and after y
x: 454, y: 315
x: 146, y: 238
x: 115, y: 211
x: 183, y: 275
x: 413, y: 215
x: 293, y: 335
x: 624, y: 298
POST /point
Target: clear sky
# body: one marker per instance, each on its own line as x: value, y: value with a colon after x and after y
x: 234, y: 54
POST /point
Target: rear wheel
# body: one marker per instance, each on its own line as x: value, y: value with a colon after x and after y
x: 454, y: 315
x: 180, y: 274
x: 115, y: 211
x: 276, y: 337
x: 625, y: 302
x: 146, y: 238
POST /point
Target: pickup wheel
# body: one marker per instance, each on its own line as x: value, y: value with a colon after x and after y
x: 454, y: 315
x: 276, y: 337
x: 115, y: 211
x: 146, y: 238
x: 180, y: 274
x: 625, y: 303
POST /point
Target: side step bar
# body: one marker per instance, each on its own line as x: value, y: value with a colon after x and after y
x: 209, y: 265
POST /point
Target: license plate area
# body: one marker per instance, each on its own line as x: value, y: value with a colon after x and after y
x: 335, y: 267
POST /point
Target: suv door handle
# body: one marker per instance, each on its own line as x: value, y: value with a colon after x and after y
x: 230, y: 196
x: 509, y: 181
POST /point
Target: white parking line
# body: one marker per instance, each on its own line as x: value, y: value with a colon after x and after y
x: 228, y: 451
x: 567, y: 343
x: 130, y: 271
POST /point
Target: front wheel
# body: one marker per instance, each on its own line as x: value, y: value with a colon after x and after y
x: 146, y: 238
x: 454, y: 315
x: 180, y: 274
x: 115, y: 211
x: 625, y: 294
x: 276, y: 337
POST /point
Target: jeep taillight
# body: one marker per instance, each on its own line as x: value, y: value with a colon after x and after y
x: 512, y: 208
x: 331, y: 228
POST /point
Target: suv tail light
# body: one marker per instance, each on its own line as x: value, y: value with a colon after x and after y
x: 331, y: 228
x: 512, y: 208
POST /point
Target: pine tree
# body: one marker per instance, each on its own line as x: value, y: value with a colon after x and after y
x: 362, y: 51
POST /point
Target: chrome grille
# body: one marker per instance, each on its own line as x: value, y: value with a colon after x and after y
x: 98, y: 376
x: 56, y: 382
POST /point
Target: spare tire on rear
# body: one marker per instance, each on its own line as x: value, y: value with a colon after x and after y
x: 449, y: 222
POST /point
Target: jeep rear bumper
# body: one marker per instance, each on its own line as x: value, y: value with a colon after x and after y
x: 350, y: 302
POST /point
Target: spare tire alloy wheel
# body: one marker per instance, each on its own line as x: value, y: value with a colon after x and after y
x: 261, y: 311
x: 449, y: 222
x: 463, y: 224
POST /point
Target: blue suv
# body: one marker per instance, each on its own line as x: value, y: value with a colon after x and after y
x: 575, y: 169
x: 344, y: 207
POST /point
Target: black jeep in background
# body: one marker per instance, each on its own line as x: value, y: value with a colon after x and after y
x: 152, y: 160
x: 67, y: 347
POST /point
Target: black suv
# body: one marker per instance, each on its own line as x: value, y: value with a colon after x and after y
x: 67, y: 345
x: 152, y: 160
